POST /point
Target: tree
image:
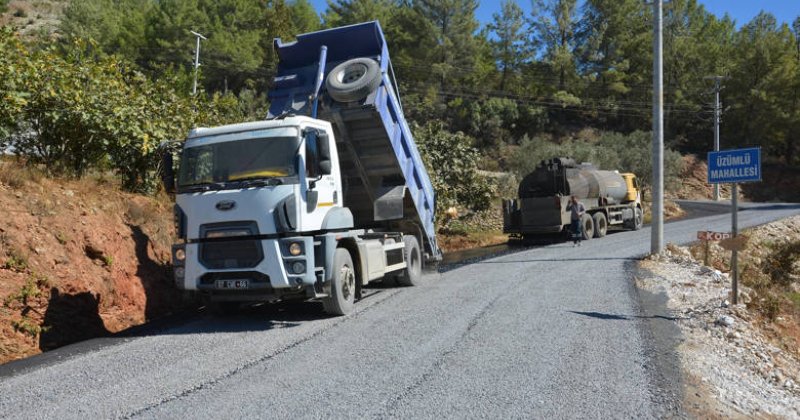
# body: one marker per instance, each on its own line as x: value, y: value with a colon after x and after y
x: 508, y: 46
x: 453, y: 164
x: 554, y: 27
x: 615, y: 51
x: 116, y: 26
x: 349, y: 12
x: 764, y: 70
x: 450, y: 27
x: 696, y: 45
x: 304, y: 18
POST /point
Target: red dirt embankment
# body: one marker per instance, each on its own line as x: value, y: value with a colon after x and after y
x: 78, y: 259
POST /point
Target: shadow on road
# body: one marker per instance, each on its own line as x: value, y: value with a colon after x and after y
x: 250, y: 317
x: 600, y: 315
x: 561, y: 260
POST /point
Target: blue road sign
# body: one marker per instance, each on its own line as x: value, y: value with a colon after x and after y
x: 740, y: 165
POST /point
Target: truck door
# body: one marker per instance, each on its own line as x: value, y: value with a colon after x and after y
x: 319, y: 193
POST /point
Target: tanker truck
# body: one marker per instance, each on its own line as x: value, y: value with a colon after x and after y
x: 612, y: 199
x: 325, y: 195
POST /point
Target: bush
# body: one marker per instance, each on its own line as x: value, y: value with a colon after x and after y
x: 613, y: 151
x: 781, y: 264
x: 453, y: 167
x: 76, y: 111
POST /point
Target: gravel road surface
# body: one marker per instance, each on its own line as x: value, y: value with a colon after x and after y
x: 552, y: 331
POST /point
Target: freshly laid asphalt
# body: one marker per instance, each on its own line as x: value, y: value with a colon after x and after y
x: 546, y: 332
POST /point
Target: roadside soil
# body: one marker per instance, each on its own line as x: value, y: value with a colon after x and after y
x: 738, y: 361
x: 78, y: 259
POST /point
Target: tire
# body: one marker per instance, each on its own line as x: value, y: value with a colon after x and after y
x: 638, y: 219
x: 600, y: 224
x: 353, y: 80
x: 587, y: 227
x: 343, y: 285
x: 413, y: 272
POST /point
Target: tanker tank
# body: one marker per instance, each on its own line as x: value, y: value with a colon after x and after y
x: 562, y: 176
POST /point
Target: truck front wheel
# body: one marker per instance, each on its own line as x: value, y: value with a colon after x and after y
x: 639, y: 219
x: 343, y: 285
x: 413, y: 272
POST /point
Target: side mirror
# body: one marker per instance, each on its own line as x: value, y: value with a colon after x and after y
x: 324, y: 153
x: 167, y: 172
x: 318, y: 153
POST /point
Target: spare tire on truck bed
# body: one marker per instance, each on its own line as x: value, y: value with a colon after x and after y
x: 353, y: 80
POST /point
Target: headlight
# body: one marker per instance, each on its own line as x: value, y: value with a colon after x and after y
x: 180, y: 254
x: 298, y: 267
x: 180, y: 272
x: 295, y: 249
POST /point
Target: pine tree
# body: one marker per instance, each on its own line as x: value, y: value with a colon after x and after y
x: 508, y: 46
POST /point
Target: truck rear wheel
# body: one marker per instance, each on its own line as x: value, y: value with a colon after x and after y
x: 354, y: 79
x: 588, y: 227
x: 600, y: 224
x: 343, y: 285
x: 413, y: 272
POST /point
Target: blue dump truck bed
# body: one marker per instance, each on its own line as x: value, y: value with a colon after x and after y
x: 385, y: 181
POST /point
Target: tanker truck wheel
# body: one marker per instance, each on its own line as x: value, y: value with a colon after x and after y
x: 343, y: 285
x: 639, y: 219
x: 600, y: 224
x: 588, y: 226
x: 413, y: 272
x: 354, y: 79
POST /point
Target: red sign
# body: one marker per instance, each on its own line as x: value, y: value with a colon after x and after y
x: 705, y: 235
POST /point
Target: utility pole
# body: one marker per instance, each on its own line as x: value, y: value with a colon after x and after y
x: 196, y: 60
x: 717, y: 113
x: 657, y: 208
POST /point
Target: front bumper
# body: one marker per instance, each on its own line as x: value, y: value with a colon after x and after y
x: 276, y: 270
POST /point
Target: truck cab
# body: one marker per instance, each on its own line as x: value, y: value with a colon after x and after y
x: 246, y: 194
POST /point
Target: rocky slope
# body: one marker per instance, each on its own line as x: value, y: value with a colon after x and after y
x: 738, y: 362
x: 78, y: 260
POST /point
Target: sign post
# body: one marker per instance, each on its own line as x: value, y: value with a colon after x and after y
x: 734, y: 166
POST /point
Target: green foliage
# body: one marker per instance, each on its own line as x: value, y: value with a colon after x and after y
x: 27, y: 326
x: 108, y: 260
x: 32, y: 289
x: 509, y: 47
x: 78, y: 111
x: 14, y: 65
x: 16, y: 261
x: 613, y: 151
x: 452, y: 163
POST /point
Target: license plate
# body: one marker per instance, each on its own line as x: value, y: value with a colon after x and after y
x: 232, y: 284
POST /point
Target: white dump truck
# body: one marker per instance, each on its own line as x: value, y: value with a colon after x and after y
x: 325, y: 195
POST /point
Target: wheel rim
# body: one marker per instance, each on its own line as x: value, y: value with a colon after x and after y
x: 348, y: 282
x: 415, y: 265
x: 352, y: 73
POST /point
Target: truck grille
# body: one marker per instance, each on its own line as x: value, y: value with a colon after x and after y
x: 230, y: 253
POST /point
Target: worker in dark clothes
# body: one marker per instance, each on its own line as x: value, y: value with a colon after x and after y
x: 576, y: 210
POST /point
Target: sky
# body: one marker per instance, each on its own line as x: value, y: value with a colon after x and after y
x: 740, y: 10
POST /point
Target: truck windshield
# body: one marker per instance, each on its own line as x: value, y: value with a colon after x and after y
x: 230, y: 164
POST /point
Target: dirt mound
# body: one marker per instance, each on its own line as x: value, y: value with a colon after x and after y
x: 693, y: 185
x: 78, y: 259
